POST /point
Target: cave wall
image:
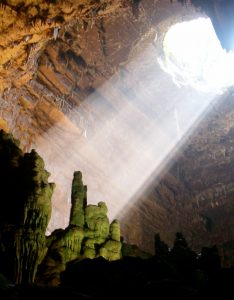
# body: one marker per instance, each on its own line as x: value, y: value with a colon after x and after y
x: 195, y: 194
x: 54, y: 56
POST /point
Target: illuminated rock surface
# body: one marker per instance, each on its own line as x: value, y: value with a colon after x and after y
x: 89, y: 235
x: 25, y: 213
x: 52, y: 58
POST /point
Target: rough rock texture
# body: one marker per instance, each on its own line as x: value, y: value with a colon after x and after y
x: 68, y: 72
x: 89, y: 235
x: 25, y: 210
x: 68, y: 58
x: 78, y: 200
x: 196, y: 196
x: 209, y: 157
x: 25, y: 213
x: 26, y: 27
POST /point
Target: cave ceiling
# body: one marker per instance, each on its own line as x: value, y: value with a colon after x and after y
x: 54, y: 55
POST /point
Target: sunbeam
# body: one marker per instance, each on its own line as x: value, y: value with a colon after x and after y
x: 123, y: 134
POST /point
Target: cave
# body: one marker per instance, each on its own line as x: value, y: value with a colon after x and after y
x: 138, y: 96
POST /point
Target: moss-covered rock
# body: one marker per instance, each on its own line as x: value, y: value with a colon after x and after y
x: 88, y: 235
x: 36, y: 211
x: 79, y: 200
x: 63, y: 247
x: 25, y: 210
x: 115, y: 230
x: 96, y: 220
x: 111, y: 250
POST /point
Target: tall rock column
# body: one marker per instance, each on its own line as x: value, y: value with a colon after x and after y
x: 66, y: 245
x: 30, y: 241
x: 78, y: 200
x: 88, y: 235
x: 25, y: 208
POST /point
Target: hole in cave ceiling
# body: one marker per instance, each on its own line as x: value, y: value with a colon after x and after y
x: 193, y: 56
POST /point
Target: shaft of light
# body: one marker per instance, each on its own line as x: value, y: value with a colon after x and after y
x: 121, y: 136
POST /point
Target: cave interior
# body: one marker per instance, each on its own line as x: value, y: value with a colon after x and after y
x: 137, y: 140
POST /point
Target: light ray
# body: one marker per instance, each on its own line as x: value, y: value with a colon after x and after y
x: 133, y: 123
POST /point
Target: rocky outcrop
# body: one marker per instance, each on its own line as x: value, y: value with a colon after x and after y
x: 54, y: 56
x: 27, y: 26
x: 88, y: 235
x: 25, y: 214
x: 196, y: 195
x: 25, y: 210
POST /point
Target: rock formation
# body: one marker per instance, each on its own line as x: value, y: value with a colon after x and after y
x: 175, y: 274
x: 88, y: 235
x: 25, y: 213
x: 25, y: 210
x: 54, y: 55
x: 78, y: 200
x: 27, y: 26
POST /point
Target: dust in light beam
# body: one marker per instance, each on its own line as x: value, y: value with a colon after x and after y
x: 122, y: 135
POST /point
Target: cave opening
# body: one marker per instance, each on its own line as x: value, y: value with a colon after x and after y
x: 194, y: 56
x: 135, y: 96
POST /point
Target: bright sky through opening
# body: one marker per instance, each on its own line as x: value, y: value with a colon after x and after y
x: 194, y: 56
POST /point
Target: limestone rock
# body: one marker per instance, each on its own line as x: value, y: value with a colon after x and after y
x: 25, y: 210
x: 79, y: 201
x: 70, y: 59
x: 63, y: 246
x: 96, y: 219
x: 27, y: 26
x: 115, y: 230
x: 88, y: 235
x: 25, y: 213
x: 111, y: 250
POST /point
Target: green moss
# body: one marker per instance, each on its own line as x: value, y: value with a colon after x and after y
x: 115, y: 230
x: 96, y: 219
x: 70, y: 241
x: 24, y: 181
x: 111, y: 250
x: 37, y: 192
x: 89, y: 253
x: 25, y: 215
x: 79, y: 201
